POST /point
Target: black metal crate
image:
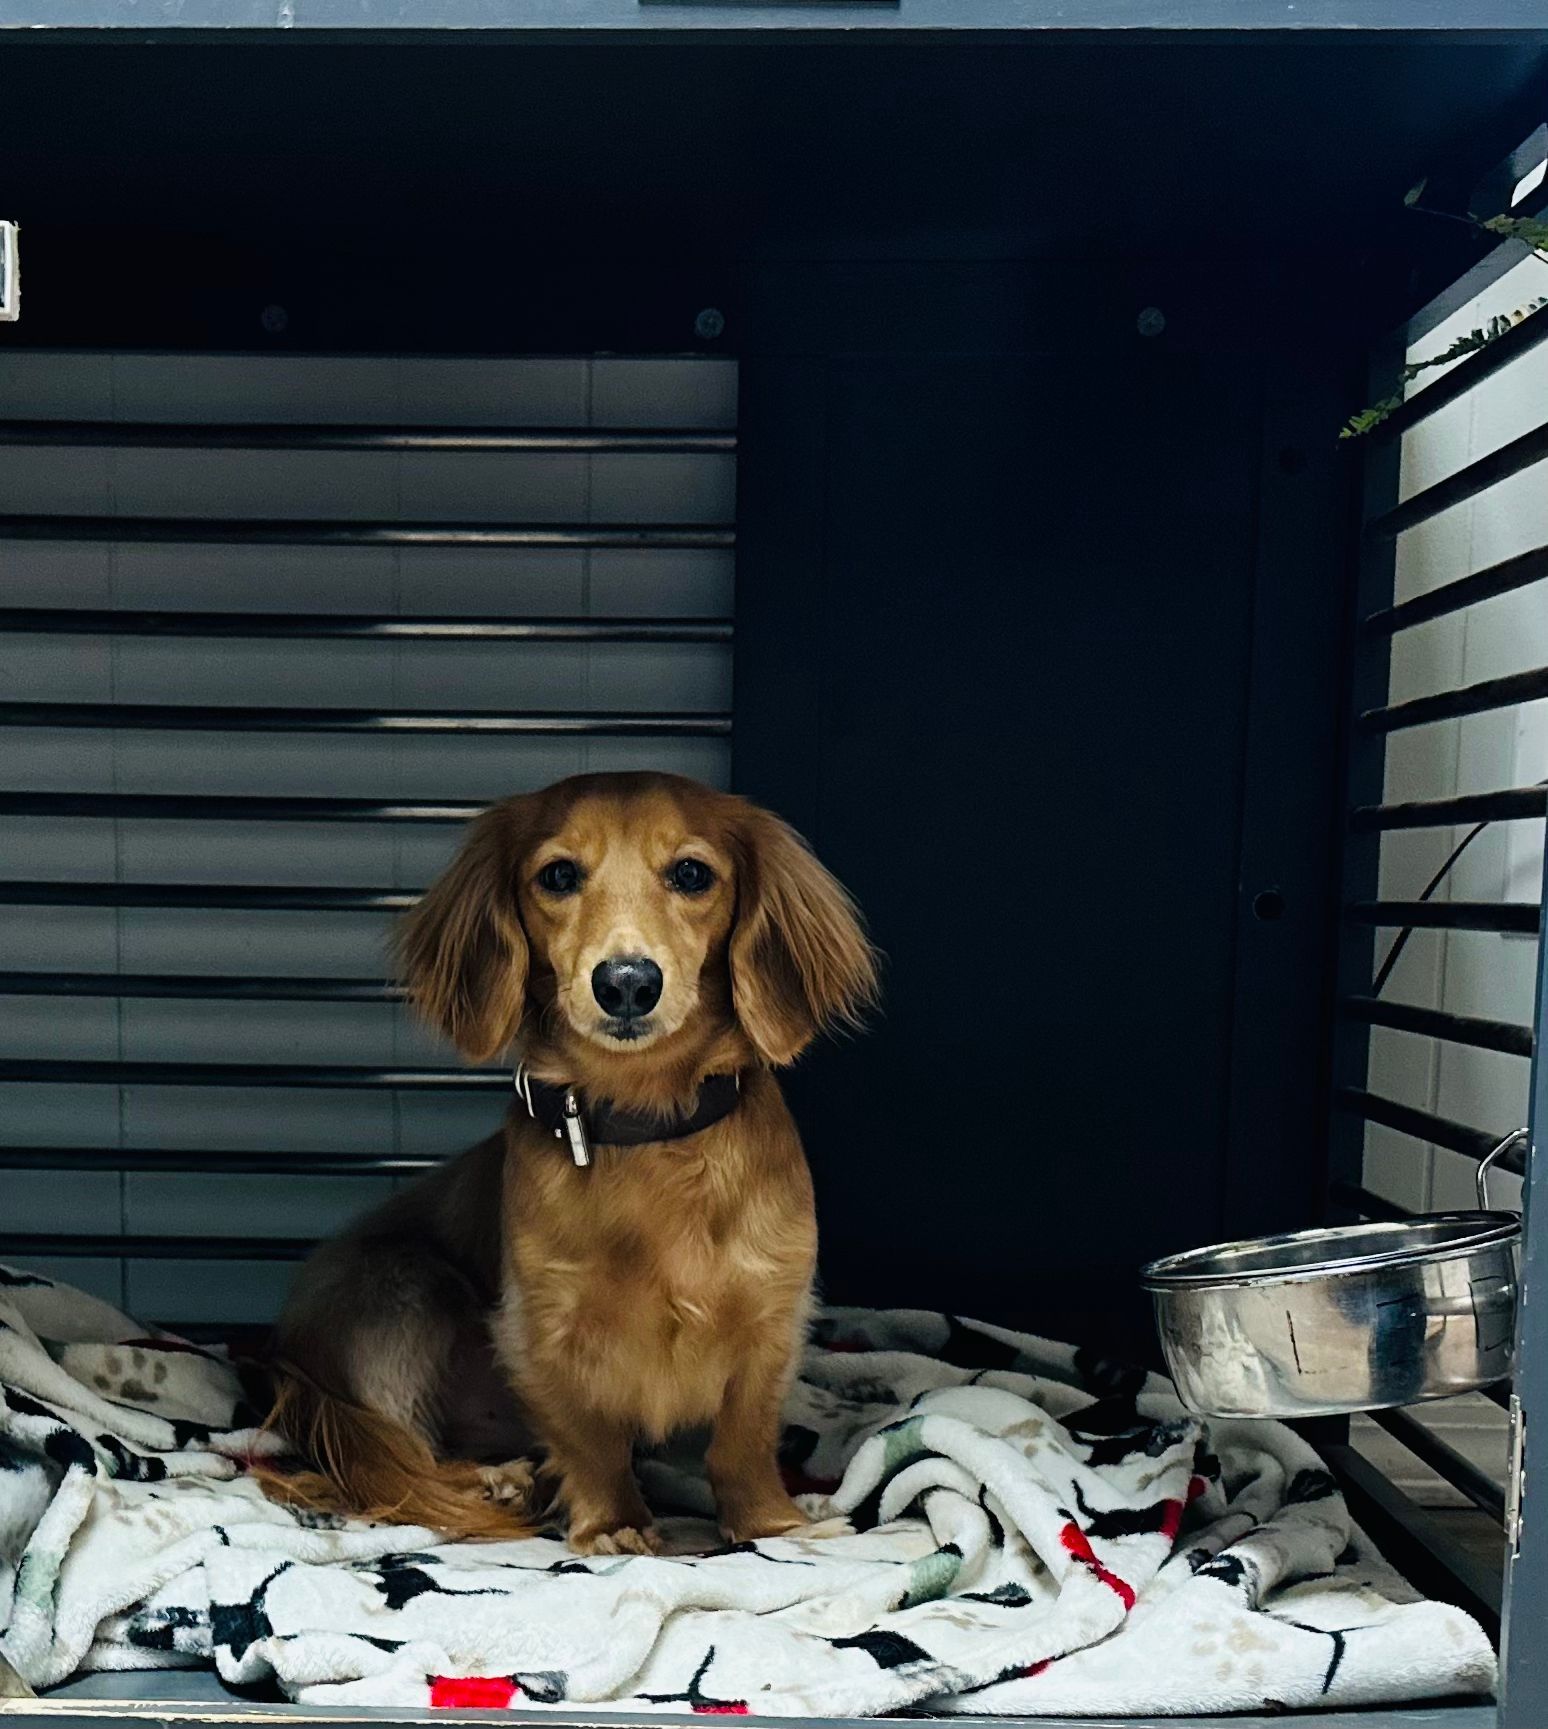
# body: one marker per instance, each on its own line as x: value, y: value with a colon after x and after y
x: 1063, y: 624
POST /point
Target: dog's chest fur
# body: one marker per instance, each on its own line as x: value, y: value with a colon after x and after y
x: 642, y: 1282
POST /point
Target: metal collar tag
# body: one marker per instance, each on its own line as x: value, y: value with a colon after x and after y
x: 573, y: 1130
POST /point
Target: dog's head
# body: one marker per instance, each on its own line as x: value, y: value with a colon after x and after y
x: 629, y: 912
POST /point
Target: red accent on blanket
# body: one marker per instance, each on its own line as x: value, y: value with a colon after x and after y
x: 473, y: 1692
x: 1171, y: 1522
x: 1074, y: 1539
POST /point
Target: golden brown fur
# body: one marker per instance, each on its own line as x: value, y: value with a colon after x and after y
x: 512, y: 1299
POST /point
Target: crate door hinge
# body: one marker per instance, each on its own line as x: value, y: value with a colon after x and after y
x: 1515, y: 1486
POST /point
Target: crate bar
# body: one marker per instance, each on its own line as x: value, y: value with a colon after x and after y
x: 1352, y: 1195
x: 203, y: 897
x: 212, y: 807
x: 1475, y: 1030
x: 298, y: 626
x: 221, y: 1161
x: 1510, y: 804
x: 1370, y: 587
x: 1489, y: 693
x: 1414, y: 1540
x: 1521, y: 453
x: 1503, y: 578
x: 1468, y: 375
x: 181, y: 717
x: 266, y: 531
x: 55, y: 1072
x: 40, y: 1244
x: 191, y: 987
x: 1444, y: 1459
x: 1517, y: 917
x: 158, y: 435
x: 1523, y: 1657
x: 1423, y: 1125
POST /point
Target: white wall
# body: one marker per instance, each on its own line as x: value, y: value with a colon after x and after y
x: 1465, y: 972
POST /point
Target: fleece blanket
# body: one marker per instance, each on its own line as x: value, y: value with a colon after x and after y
x: 1028, y: 1531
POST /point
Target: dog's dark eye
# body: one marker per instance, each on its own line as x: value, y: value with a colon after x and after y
x: 690, y: 876
x: 560, y: 876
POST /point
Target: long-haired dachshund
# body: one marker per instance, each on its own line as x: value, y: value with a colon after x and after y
x: 633, y: 1253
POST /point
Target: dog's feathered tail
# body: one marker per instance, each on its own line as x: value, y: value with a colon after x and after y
x: 369, y: 1467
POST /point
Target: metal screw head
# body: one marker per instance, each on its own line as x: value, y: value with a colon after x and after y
x: 710, y: 323
x: 1151, y: 321
x: 274, y: 319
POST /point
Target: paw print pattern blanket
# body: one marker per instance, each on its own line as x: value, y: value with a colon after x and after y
x: 1029, y: 1532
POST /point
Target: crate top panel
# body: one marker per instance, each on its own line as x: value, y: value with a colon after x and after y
x: 1452, y: 17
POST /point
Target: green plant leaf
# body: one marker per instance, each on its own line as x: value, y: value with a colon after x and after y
x: 1532, y: 230
x: 1368, y: 419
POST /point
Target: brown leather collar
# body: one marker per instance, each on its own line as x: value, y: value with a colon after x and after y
x: 580, y: 1126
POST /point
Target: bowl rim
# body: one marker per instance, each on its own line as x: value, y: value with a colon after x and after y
x: 1176, y: 1272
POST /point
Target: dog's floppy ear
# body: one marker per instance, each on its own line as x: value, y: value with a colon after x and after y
x: 462, y: 951
x: 800, y: 959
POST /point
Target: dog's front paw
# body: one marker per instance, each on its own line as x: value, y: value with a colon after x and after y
x: 620, y: 1540
x: 780, y: 1519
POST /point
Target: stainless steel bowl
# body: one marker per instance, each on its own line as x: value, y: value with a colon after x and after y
x: 1352, y: 1318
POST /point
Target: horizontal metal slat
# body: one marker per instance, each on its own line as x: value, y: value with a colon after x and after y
x: 194, y: 987
x: 328, y: 627
x: 1503, y: 578
x: 1466, y: 375
x: 216, y: 1162
x: 39, y: 1245
x: 1518, y: 917
x: 1510, y: 804
x: 1475, y: 1030
x: 1444, y: 1459
x: 159, y: 435
x: 1456, y: 1137
x: 1490, y: 693
x: 206, y: 897
x: 1414, y: 1540
x: 266, y: 531
x: 1521, y: 453
x: 53, y: 1072
x: 1366, y: 1203
x: 179, y: 717
x: 213, y: 807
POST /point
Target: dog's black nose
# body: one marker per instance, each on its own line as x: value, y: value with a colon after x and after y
x: 627, y: 986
